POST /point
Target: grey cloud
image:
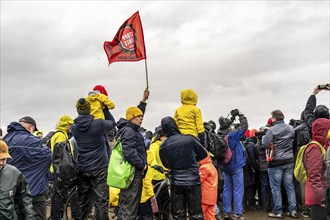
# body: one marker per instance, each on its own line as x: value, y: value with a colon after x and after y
x: 255, y: 56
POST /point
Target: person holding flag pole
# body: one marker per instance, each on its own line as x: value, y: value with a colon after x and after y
x: 128, y: 46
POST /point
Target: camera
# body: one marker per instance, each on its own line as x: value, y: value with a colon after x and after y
x: 234, y: 112
x: 320, y: 87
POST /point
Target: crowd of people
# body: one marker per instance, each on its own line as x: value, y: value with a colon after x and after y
x: 253, y: 171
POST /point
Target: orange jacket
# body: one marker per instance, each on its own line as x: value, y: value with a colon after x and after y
x: 209, y: 181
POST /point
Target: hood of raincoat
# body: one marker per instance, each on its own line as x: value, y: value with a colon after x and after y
x: 188, y: 97
x: 169, y: 126
x: 320, y: 130
x: 83, y: 122
x: 64, y: 122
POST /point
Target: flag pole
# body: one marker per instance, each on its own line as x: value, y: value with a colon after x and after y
x: 145, y: 62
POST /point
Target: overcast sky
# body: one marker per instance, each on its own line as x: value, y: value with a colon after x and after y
x: 256, y: 56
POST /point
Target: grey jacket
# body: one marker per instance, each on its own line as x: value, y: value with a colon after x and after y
x: 281, y: 135
x: 15, y: 197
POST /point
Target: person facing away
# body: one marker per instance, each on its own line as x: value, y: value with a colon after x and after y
x: 15, y: 197
x: 281, y: 136
x: 32, y: 158
x: 134, y: 152
x: 209, y: 182
x: 188, y: 116
x: 93, y: 159
x: 313, y: 112
x: 302, y: 137
x: 315, y: 167
x: 154, y: 149
x: 60, y: 191
x: 233, y: 170
x: 98, y: 99
x: 180, y: 153
x: 265, y: 200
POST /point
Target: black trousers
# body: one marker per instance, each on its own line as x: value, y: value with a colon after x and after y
x: 183, y: 197
x: 92, y: 189
x: 59, y: 197
x: 145, y: 211
x: 318, y: 212
x: 39, y: 206
x: 129, y: 200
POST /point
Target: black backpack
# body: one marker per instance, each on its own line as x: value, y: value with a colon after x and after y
x: 46, y: 140
x: 65, y: 164
x: 216, y: 144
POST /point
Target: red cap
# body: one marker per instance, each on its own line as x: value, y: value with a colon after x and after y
x: 101, y: 89
x: 247, y: 133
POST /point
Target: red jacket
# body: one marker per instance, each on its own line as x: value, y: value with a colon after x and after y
x: 209, y: 181
x: 315, y: 165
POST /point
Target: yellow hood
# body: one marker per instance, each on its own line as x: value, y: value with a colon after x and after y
x: 63, y: 123
x: 189, y: 97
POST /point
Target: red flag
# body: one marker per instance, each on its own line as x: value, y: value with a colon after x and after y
x: 128, y: 44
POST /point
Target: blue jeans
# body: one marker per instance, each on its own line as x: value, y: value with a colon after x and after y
x: 276, y: 174
x: 234, y: 184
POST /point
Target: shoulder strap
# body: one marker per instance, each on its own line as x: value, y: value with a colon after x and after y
x: 321, y: 148
x: 118, y: 138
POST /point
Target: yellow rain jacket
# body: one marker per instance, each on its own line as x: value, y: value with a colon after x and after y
x: 148, y: 188
x: 97, y: 101
x: 154, y: 149
x: 58, y: 137
x: 188, y: 117
x: 113, y: 196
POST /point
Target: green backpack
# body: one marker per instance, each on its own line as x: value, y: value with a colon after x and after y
x: 120, y: 172
x: 299, y: 168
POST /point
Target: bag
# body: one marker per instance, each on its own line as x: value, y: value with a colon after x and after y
x: 216, y: 144
x: 299, y: 168
x: 65, y: 164
x: 120, y: 172
x: 228, y: 154
x: 46, y: 140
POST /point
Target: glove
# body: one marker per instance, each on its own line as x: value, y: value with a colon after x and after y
x: 158, y: 168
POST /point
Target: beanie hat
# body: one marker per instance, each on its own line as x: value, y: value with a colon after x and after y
x: 321, y: 111
x: 101, y: 89
x: 133, y: 112
x: 83, y: 107
x: 224, y: 123
x: 4, y: 150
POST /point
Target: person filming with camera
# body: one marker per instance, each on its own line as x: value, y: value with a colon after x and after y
x: 233, y: 170
x: 313, y: 112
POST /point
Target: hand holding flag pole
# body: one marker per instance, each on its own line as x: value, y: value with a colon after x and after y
x: 128, y: 44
